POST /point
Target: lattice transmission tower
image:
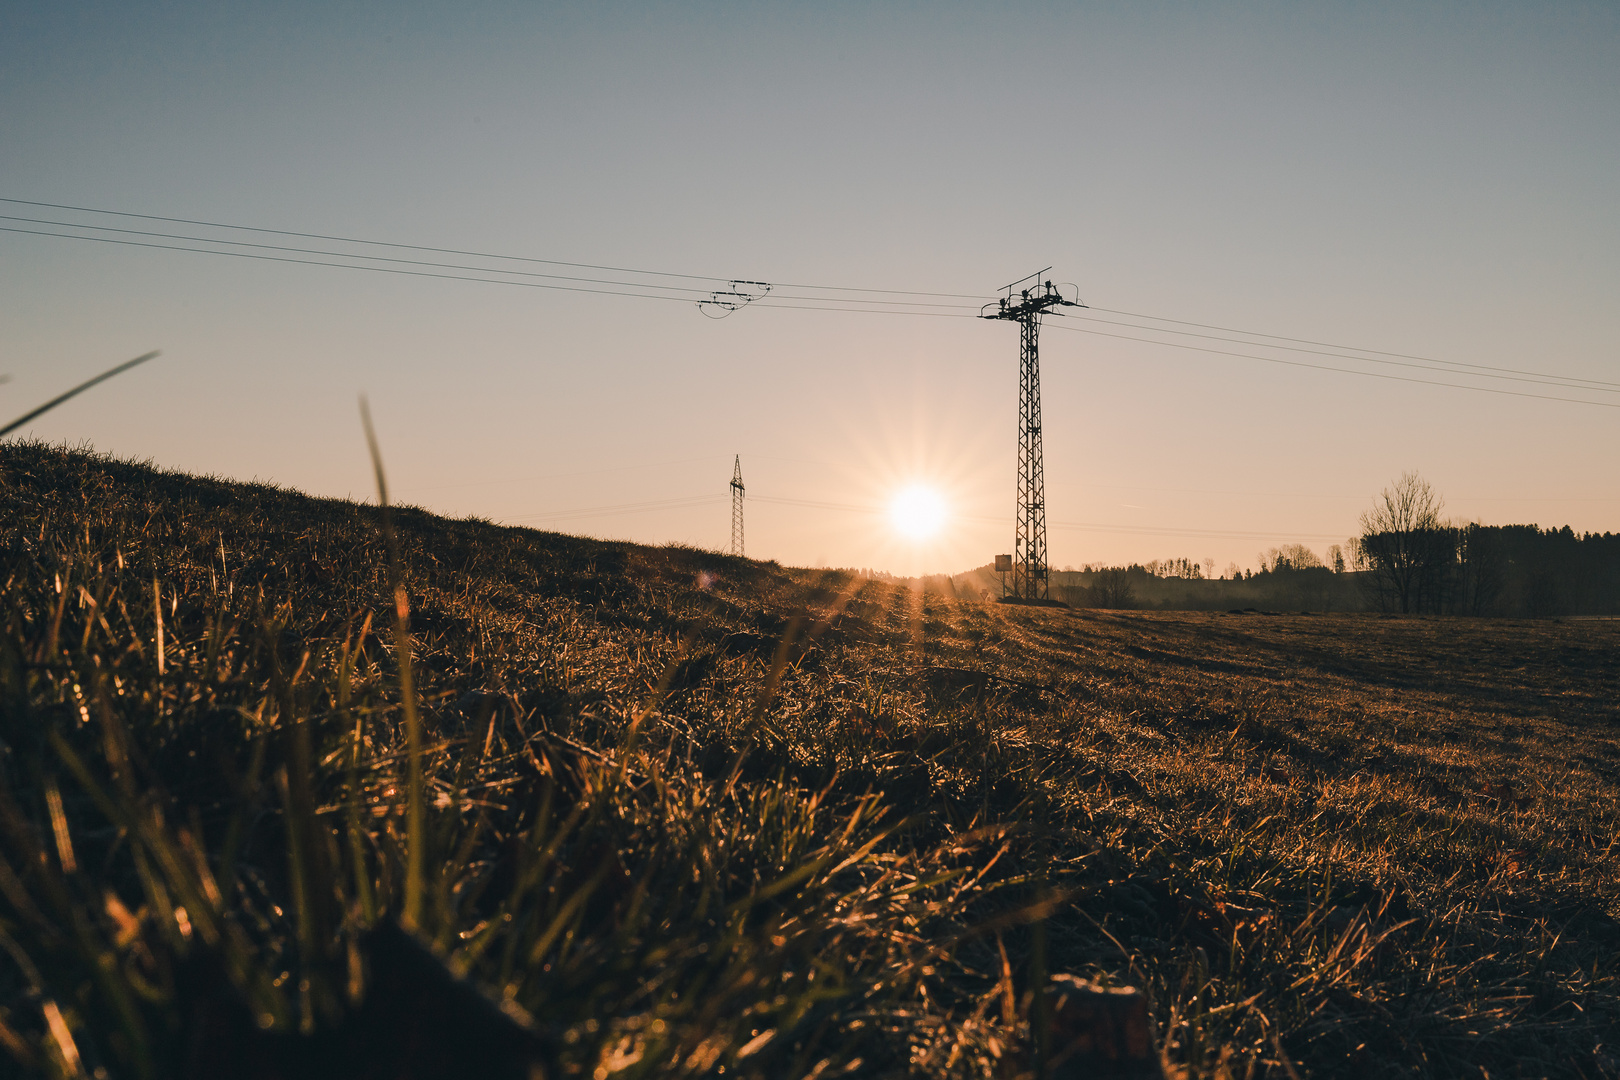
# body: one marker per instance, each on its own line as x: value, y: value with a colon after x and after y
x: 737, y: 507
x: 1029, y: 566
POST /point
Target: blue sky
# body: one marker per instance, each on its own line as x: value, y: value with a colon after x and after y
x: 1427, y: 179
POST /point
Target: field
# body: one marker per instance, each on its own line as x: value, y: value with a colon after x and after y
x: 594, y: 809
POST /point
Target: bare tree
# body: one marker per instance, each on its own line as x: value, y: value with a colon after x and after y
x: 1289, y: 557
x: 1405, y: 547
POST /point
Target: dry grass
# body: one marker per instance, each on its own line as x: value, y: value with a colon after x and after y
x: 687, y: 813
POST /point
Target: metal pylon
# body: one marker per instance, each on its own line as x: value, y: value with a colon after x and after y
x: 737, y: 507
x: 1030, y: 571
x: 1029, y: 534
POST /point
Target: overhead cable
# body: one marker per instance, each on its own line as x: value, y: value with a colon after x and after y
x: 1326, y: 344
x: 1347, y: 371
x: 1479, y: 371
x: 721, y: 296
x: 704, y: 298
x: 352, y: 266
x: 458, y: 251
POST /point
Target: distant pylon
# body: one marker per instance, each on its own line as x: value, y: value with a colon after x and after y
x: 1030, y: 570
x: 737, y: 507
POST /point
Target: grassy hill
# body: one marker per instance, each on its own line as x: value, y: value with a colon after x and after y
x: 675, y: 813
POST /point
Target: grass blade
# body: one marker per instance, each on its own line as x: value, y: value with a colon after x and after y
x: 416, y: 809
x: 81, y: 388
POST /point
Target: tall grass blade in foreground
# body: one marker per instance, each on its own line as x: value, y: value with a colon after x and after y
x: 81, y: 388
x: 416, y: 814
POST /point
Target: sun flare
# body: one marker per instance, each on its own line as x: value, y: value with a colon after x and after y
x: 917, y: 512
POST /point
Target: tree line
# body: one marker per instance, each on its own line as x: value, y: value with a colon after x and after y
x: 1413, y: 561
x: 1406, y: 559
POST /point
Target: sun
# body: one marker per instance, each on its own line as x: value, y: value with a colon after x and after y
x: 917, y: 512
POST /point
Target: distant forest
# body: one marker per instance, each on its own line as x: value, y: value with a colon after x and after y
x: 1408, y: 559
x: 1503, y: 570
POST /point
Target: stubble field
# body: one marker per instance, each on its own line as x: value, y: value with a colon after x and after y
x: 683, y: 814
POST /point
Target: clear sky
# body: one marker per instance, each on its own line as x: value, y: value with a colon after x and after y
x: 1437, y: 180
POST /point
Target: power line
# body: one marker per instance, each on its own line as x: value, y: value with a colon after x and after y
x: 349, y: 266
x: 1347, y: 371
x: 340, y: 254
x: 353, y: 240
x: 772, y: 305
x: 874, y: 301
x: 457, y: 251
x: 1324, y: 344
x: 871, y: 309
x: 1484, y: 372
x: 888, y: 307
x: 695, y: 291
